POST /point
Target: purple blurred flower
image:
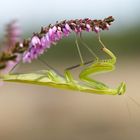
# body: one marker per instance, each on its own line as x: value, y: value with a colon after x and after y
x: 13, y: 35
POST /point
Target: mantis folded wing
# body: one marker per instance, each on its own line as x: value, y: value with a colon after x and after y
x: 51, y: 78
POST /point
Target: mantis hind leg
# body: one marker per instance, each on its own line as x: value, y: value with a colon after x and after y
x: 86, y: 46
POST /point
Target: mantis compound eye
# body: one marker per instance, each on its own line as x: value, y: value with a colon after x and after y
x: 122, y: 88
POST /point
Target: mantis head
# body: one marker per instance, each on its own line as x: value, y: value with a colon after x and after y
x: 121, y: 89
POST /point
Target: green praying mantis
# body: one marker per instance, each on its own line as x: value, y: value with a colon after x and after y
x: 89, y: 85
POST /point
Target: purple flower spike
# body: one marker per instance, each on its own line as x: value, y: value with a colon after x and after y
x: 52, y: 34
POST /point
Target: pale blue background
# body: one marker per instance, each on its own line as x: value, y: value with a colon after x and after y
x: 34, y: 13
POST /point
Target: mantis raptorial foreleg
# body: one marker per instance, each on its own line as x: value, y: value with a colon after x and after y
x: 98, y: 67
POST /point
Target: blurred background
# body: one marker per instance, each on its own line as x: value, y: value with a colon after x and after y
x: 31, y: 112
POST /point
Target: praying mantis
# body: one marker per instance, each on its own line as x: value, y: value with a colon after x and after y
x: 32, y: 48
x: 89, y: 85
